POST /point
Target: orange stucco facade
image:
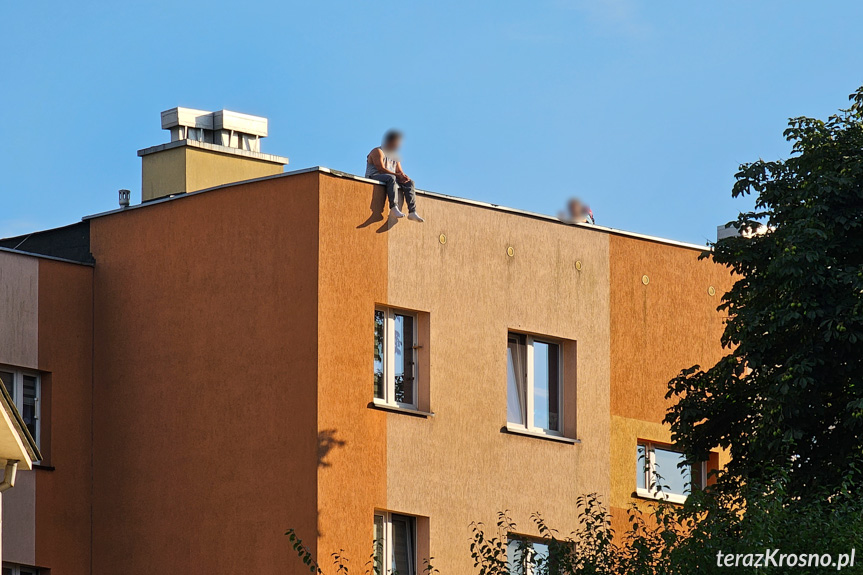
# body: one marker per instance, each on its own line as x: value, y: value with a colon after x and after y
x: 216, y: 366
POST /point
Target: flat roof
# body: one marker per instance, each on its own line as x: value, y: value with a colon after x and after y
x: 426, y: 193
x: 44, y: 257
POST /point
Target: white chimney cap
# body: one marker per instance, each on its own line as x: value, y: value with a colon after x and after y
x: 187, y: 117
x: 221, y: 120
x: 244, y: 123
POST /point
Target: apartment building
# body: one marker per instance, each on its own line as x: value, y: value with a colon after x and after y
x: 250, y: 350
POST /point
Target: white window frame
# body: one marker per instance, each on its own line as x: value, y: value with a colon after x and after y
x: 20, y: 569
x: 389, y: 358
x: 18, y: 395
x: 386, y: 547
x: 529, y: 383
x: 652, y: 490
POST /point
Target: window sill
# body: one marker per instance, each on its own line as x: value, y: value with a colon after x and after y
x: 660, y: 496
x: 397, y: 409
x: 521, y: 431
x: 43, y: 467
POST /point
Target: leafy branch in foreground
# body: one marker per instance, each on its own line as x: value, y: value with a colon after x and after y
x: 789, y: 393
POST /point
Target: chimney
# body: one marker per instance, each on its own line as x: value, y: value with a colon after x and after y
x: 207, y: 149
x: 730, y: 230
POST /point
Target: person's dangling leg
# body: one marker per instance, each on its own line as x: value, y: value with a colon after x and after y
x: 409, y: 190
x: 392, y: 189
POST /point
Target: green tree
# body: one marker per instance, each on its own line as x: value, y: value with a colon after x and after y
x: 789, y: 394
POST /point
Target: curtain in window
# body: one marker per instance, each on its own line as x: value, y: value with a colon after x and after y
x: 516, y: 357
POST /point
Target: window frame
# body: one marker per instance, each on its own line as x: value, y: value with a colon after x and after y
x: 388, y: 356
x: 651, y: 489
x: 18, y: 375
x: 528, y: 425
x: 388, y: 538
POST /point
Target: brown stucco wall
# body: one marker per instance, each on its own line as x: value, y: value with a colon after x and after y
x: 232, y: 374
x: 63, y: 493
x: 657, y: 330
x: 19, y: 347
x: 353, y: 278
x: 458, y: 467
x: 205, y: 380
x: 19, y: 305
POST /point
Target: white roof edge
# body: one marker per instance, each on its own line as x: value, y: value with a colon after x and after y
x: 456, y: 199
x: 215, y: 148
x: 515, y: 211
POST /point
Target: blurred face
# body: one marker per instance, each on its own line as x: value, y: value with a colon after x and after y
x: 393, y: 143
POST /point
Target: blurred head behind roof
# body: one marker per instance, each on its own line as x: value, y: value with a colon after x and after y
x: 577, y: 212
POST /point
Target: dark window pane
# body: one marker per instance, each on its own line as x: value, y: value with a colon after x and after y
x: 546, y: 385
x: 28, y: 413
x: 9, y: 381
x: 699, y: 478
x: 380, y: 329
x: 403, y: 545
x: 515, y: 376
x: 404, y: 358
x: 554, y: 422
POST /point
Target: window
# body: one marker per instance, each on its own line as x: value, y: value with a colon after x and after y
x: 659, y: 474
x: 534, y: 384
x: 9, y: 569
x: 527, y: 557
x: 25, y: 389
x: 395, y: 544
x: 395, y: 361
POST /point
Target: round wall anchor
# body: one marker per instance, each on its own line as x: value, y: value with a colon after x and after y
x: 442, y: 239
x: 578, y: 265
x: 711, y: 291
x: 645, y: 280
x: 510, y: 252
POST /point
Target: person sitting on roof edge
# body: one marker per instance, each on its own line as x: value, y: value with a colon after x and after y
x: 384, y: 164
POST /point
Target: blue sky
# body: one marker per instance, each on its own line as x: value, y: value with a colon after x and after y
x: 642, y: 108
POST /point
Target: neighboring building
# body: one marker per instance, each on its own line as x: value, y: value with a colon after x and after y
x: 223, y: 365
x: 22, y: 391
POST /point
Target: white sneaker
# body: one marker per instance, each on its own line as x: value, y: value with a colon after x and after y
x: 415, y: 217
x: 396, y: 213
